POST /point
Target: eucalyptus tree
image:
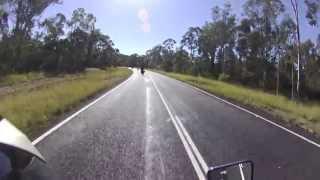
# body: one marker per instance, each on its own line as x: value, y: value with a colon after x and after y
x: 167, y: 52
x: 313, y: 11
x: 285, y: 37
x: 263, y: 15
x: 224, y: 23
x: 190, y: 40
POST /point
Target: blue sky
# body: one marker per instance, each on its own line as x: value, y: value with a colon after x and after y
x: 137, y: 25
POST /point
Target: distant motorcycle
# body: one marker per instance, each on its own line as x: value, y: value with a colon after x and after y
x: 142, y: 71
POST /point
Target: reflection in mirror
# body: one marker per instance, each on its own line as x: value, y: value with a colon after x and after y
x: 5, y: 165
x: 13, y: 161
x: 235, y: 171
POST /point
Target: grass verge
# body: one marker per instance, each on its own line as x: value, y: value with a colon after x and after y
x: 31, y: 110
x: 304, y: 115
x: 13, y: 79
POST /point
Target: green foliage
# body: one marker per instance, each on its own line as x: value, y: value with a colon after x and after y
x: 223, y: 77
x: 54, y: 50
x: 313, y: 10
x: 260, y: 50
x: 191, y: 40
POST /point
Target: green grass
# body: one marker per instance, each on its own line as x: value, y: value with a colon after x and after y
x: 13, y: 79
x: 32, y: 110
x: 305, y: 115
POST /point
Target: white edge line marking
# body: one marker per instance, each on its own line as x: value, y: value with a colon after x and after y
x: 193, y: 146
x: 56, y: 127
x: 250, y: 112
x: 184, y: 141
x: 241, y: 172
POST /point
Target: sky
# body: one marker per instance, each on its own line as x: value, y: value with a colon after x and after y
x: 137, y: 25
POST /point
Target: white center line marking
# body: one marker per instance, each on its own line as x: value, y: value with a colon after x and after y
x: 148, y: 153
x: 185, y: 142
x: 193, y: 146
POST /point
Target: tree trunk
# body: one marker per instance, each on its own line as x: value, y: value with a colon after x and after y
x: 292, y: 81
x: 278, y: 78
x: 295, y: 7
x: 223, y: 60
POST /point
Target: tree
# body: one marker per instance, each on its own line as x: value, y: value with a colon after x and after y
x: 57, y: 45
x: 190, y: 40
x: 82, y: 37
x: 259, y: 50
x: 263, y: 12
x: 295, y: 7
x: 313, y: 9
x: 4, y: 25
x: 54, y: 47
x: 208, y: 45
x: 167, y: 52
x: 169, y: 45
x: 263, y: 15
x: 285, y: 34
x: 54, y: 27
x: 216, y: 37
x: 104, y: 52
x: 18, y: 18
x: 23, y: 14
x: 181, y: 61
x: 310, y: 51
x: 154, y: 57
x: 224, y: 26
x: 82, y: 21
x: 134, y: 60
x: 243, y: 31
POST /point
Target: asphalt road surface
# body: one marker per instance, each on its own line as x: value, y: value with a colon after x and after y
x: 154, y: 127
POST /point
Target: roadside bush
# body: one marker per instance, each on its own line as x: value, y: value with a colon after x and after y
x: 223, y: 77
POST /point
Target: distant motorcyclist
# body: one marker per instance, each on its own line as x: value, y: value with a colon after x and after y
x: 142, y: 70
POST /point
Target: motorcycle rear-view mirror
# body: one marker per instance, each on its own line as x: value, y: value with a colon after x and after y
x: 16, y: 150
x: 242, y: 170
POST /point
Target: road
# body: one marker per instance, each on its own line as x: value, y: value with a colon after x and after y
x: 154, y: 127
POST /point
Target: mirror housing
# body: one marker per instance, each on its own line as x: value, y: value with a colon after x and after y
x: 241, y: 170
x: 16, y: 146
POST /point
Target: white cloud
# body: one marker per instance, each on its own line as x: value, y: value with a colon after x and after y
x: 144, y: 18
